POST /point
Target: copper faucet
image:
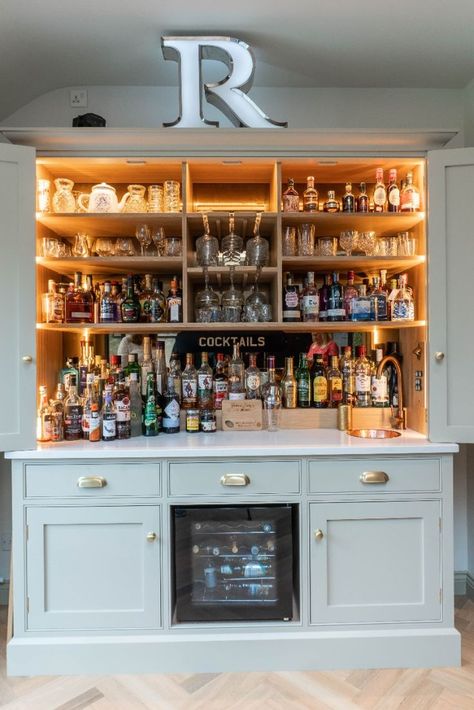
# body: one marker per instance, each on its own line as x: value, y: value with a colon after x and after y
x: 398, y: 420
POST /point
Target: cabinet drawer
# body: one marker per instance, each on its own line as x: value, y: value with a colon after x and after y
x: 402, y: 475
x: 233, y: 478
x: 66, y: 480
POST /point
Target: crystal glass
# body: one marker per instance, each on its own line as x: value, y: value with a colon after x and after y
x: 124, y: 246
x: 143, y: 234
x: 49, y: 246
x: 406, y: 244
x: 155, y: 198
x: 207, y: 250
x: 174, y: 246
x: 206, y: 303
x: 367, y: 243
x: 171, y: 196
x: 159, y: 240
x: 135, y: 201
x: 289, y: 242
x: 232, y: 302
x: 306, y: 240
x: 104, y: 246
x: 387, y: 246
x: 43, y: 196
x: 348, y: 240
x: 257, y: 251
x: 63, y: 199
x: 81, y: 245
x: 232, y: 246
x: 327, y: 246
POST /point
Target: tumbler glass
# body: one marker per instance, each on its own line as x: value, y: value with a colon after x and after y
x: 155, y: 198
x: 171, y: 196
x: 306, y: 240
x: 289, y: 241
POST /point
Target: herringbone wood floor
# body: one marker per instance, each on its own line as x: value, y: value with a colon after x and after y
x: 437, y: 689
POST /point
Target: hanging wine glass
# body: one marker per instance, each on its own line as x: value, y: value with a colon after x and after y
x: 143, y: 235
x: 232, y: 245
x: 159, y: 240
x: 207, y: 247
x: 257, y: 248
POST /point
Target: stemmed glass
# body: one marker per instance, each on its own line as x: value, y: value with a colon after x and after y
x: 348, y: 241
x: 143, y: 234
x: 159, y: 240
x: 367, y: 243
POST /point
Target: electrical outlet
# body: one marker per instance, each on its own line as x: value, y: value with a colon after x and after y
x: 78, y: 98
x: 6, y: 541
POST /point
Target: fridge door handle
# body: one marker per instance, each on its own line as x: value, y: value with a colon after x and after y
x: 235, y: 479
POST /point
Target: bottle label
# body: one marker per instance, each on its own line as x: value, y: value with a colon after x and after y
x: 379, y: 196
x: 109, y: 426
x: 291, y: 299
x: 208, y: 425
x: 192, y: 421
x: 171, y: 415
x: 303, y: 391
x: 336, y: 389
x: 379, y: 390
x: 204, y: 384
x: 289, y: 395
x: 189, y: 390
x: 122, y: 408
x: 380, y: 303
x: 362, y: 383
x: 221, y: 387
x: 253, y: 382
x: 157, y: 312
x: 336, y: 312
x: 94, y: 426
x: 291, y: 203
x: 73, y: 421
x: 236, y: 395
x: 310, y: 304
x: 174, y: 307
x: 144, y: 377
x: 394, y: 196
x: 107, y: 311
x: 320, y: 388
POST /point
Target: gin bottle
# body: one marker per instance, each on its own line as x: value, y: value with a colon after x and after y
x: 403, y: 307
x: 362, y: 379
x: 253, y: 379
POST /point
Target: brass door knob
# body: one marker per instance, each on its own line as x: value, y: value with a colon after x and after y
x: 151, y: 537
x: 439, y: 356
x: 318, y: 534
x: 27, y: 358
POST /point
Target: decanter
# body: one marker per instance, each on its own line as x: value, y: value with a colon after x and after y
x: 232, y: 246
x: 257, y: 248
x: 207, y: 247
x: 206, y: 303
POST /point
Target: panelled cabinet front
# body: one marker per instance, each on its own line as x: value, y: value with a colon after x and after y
x: 375, y: 562
x: 93, y: 568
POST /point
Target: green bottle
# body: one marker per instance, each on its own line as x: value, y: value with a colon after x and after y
x: 130, y: 307
x: 150, y: 419
x: 303, y: 380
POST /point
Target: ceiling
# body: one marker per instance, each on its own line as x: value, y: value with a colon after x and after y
x: 51, y: 44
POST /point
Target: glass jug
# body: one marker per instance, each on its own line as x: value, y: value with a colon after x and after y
x: 63, y: 199
x: 135, y: 201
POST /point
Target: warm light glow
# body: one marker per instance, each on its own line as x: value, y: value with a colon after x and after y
x: 86, y: 334
x: 375, y: 335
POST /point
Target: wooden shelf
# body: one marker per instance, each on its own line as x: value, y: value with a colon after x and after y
x: 113, y: 265
x: 344, y: 327
x: 331, y: 224
x: 365, y: 264
x: 110, y: 225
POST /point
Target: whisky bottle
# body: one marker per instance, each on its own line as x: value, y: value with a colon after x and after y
x: 145, y: 299
x: 331, y: 204
x: 334, y: 377
x: 79, y: 303
x: 348, y: 199
x: 204, y: 383
x: 253, y: 379
x: 289, y: 388
x: 291, y: 199
x: 380, y: 193
x: 291, y: 301
x: 130, y: 306
x: 303, y: 381
x: 319, y: 383
x: 310, y: 196
x: 189, y: 384
x: 363, y: 199
x: 393, y: 192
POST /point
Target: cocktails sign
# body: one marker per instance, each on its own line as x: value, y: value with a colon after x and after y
x: 228, y: 95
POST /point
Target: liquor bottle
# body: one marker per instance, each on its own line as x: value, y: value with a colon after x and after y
x: 174, y: 302
x: 146, y: 366
x: 310, y: 300
x: 109, y: 416
x: 271, y: 396
x: 189, y: 384
x: 221, y: 383
x: 334, y: 377
x: 130, y: 306
x: 379, y: 385
x: 350, y: 293
x: 310, y: 196
x: 319, y: 383
x: 132, y: 365
x: 122, y: 408
x: 108, y: 305
x: 363, y: 199
x: 324, y: 292
x: 57, y: 413
x: 346, y: 367
x: 171, y: 409
x: 331, y: 204
x: 145, y: 299
x: 204, y: 383
x: 362, y: 379
x: 409, y: 196
x: 303, y: 383
x: 380, y: 193
x: 90, y: 291
x: 291, y: 301
x: 157, y: 303
x: 149, y: 418
x: 87, y: 403
x: 361, y: 306
x: 175, y: 373
x: 161, y: 372
x: 236, y: 367
x: 403, y: 306
x: 253, y: 379
x: 79, y: 303
x: 348, y: 199
x: 289, y: 387
x: 136, y: 405
x: 291, y: 199
x: 54, y: 310
x: 70, y: 372
x: 44, y: 420
x: 378, y: 300
x: 393, y: 192
x: 72, y: 414
x: 95, y: 421
x: 336, y: 309
x: 115, y: 293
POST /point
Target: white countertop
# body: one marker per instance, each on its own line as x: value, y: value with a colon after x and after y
x: 296, y: 442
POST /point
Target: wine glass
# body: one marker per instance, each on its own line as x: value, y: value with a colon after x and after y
x: 159, y: 240
x: 81, y: 246
x: 367, y: 243
x: 143, y: 234
x: 124, y: 246
x: 348, y: 240
x: 104, y: 246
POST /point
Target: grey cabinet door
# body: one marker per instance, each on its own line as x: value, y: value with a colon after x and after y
x: 93, y: 568
x: 17, y: 312
x: 376, y: 562
x: 450, y: 277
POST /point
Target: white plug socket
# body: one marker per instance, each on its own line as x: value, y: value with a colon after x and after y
x: 78, y: 98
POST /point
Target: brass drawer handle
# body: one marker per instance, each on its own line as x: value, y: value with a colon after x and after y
x: 374, y: 477
x: 235, y: 479
x: 91, y: 482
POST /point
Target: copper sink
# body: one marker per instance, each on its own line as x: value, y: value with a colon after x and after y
x: 374, y: 433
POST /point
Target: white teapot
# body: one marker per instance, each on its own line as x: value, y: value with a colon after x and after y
x: 103, y: 198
